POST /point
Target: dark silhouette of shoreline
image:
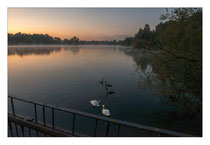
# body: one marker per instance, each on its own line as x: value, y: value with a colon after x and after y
x: 45, y: 39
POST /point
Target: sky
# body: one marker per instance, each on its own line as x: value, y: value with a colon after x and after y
x: 85, y: 23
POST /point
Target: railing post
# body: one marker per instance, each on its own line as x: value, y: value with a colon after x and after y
x: 107, y: 129
x: 96, y: 123
x: 44, y: 115
x: 73, y: 123
x: 16, y: 130
x: 22, y: 128
x: 118, y: 130
x: 44, y: 118
x: 10, y: 126
x: 13, y: 109
x: 29, y: 131
x: 35, y: 113
x: 150, y: 133
x: 53, y: 122
x: 37, y: 134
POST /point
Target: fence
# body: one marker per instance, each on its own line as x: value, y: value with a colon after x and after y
x: 24, y: 122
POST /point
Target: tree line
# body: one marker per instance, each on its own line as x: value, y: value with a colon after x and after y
x: 45, y: 39
x: 176, y: 45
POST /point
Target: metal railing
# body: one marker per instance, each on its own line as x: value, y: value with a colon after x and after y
x: 43, y: 127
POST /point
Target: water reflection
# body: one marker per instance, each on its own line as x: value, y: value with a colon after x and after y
x: 168, y: 86
x: 29, y: 50
x: 74, y: 49
x: 68, y: 76
x: 142, y: 59
x: 145, y: 62
x: 22, y: 50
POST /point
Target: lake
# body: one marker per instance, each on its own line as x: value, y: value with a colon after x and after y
x: 69, y: 76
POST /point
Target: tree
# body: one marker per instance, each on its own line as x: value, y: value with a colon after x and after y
x: 144, y: 38
x: 74, y: 40
x: 178, y: 71
x: 65, y: 42
x: 128, y: 41
x: 57, y: 40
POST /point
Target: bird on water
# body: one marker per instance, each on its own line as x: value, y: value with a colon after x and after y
x: 105, y: 112
x: 108, y: 85
x: 95, y: 103
x: 101, y: 81
x: 110, y: 92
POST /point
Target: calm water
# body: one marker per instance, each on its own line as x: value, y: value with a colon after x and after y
x: 68, y: 76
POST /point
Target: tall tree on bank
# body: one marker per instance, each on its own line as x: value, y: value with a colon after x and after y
x: 144, y: 38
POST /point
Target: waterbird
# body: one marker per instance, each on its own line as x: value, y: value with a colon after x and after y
x: 95, y: 103
x: 110, y: 92
x: 106, y: 88
x: 101, y: 81
x: 108, y: 85
x: 105, y: 111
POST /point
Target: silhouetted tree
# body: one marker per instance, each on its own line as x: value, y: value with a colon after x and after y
x: 74, y: 40
x: 57, y: 40
x: 22, y: 38
x: 45, y: 39
x: 144, y: 38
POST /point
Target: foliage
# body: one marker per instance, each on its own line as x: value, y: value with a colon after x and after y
x: 74, y: 40
x: 22, y: 38
x: 45, y: 39
x: 144, y: 38
x: 179, y: 68
x: 177, y: 62
x: 128, y: 41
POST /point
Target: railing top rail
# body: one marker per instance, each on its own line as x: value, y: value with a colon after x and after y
x: 125, y: 123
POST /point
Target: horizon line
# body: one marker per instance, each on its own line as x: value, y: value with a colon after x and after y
x: 69, y: 38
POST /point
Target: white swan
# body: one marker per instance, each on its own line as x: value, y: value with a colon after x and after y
x: 105, y: 111
x: 95, y: 103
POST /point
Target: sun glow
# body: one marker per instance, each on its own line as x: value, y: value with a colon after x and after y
x: 87, y: 24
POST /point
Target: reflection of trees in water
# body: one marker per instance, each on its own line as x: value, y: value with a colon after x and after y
x: 142, y: 61
x: 177, y: 81
x: 74, y: 49
x: 143, y: 65
x: 141, y: 58
x: 106, y: 47
x: 180, y: 81
x: 32, y: 50
x: 46, y: 50
x: 174, y: 80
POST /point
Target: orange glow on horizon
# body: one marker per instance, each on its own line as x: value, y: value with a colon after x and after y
x: 84, y: 23
x: 25, y: 24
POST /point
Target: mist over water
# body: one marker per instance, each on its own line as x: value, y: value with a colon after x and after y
x: 68, y: 76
